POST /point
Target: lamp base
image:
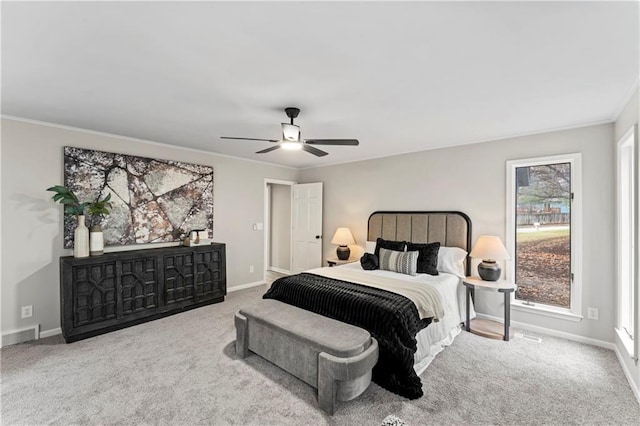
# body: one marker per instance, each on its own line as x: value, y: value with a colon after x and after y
x: 489, y: 270
x: 343, y: 252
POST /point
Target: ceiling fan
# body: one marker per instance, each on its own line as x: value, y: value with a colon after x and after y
x: 291, y: 139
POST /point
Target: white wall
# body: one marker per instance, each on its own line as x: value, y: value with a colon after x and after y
x: 471, y: 179
x: 628, y: 117
x: 280, y: 226
x: 32, y: 223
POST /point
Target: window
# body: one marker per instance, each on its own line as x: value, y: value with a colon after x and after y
x: 544, y: 234
x: 626, y: 170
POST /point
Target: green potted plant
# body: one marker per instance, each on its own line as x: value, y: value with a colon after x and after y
x: 73, y: 206
x: 65, y: 196
x: 98, y: 209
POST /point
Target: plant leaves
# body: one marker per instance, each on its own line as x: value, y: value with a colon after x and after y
x: 65, y: 196
x: 57, y: 188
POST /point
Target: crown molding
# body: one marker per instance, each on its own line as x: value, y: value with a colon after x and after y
x: 625, y: 100
x: 453, y: 145
x: 143, y: 141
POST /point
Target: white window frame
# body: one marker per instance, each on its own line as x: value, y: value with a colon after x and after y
x: 631, y: 136
x: 574, y: 312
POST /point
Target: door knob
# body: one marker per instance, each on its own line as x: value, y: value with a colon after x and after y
x: 318, y: 237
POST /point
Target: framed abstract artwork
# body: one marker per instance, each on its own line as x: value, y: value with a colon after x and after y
x: 153, y: 201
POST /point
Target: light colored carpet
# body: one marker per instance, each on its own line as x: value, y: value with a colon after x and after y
x: 183, y: 370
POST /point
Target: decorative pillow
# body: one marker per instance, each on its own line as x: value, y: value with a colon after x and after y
x: 451, y: 260
x: 427, y: 258
x: 369, y: 262
x: 389, y: 245
x: 404, y: 262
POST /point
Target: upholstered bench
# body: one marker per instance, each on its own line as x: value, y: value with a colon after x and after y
x: 333, y: 357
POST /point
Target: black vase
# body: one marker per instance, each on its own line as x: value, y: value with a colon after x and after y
x: 343, y: 252
x: 489, y: 270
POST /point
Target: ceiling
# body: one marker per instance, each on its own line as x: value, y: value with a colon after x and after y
x: 400, y: 77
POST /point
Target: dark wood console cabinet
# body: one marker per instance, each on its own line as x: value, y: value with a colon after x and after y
x: 117, y: 290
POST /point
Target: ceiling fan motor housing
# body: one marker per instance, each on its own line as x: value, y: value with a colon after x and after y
x: 292, y: 112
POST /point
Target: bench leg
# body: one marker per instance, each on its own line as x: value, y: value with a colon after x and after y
x: 242, y: 336
x: 327, y: 387
x: 331, y: 370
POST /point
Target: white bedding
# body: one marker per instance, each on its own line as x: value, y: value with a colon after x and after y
x: 437, y: 335
x: 426, y: 298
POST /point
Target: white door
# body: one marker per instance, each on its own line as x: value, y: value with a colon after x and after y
x: 307, y: 226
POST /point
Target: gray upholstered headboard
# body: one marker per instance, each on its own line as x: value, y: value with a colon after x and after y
x: 451, y: 229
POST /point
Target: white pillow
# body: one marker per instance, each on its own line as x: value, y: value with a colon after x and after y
x: 370, y: 247
x: 451, y: 260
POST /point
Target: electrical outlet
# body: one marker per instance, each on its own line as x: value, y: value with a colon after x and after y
x: 592, y: 313
x: 27, y: 311
x: 251, y: 268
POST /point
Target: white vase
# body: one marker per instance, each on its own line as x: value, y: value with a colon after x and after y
x: 81, y: 239
x: 96, y: 241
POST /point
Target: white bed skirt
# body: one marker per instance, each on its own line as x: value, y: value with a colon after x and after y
x: 424, y: 357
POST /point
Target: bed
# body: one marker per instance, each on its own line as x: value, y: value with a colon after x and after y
x: 409, y: 336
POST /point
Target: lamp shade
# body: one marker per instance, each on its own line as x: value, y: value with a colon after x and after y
x: 343, y: 237
x: 490, y: 248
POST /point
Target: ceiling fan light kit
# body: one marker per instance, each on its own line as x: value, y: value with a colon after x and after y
x: 290, y: 132
x: 291, y: 140
x: 291, y: 145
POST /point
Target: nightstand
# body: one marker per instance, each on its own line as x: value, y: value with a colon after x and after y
x: 333, y: 261
x: 488, y: 328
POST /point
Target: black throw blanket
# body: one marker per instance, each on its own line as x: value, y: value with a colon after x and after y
x: 390, y: 318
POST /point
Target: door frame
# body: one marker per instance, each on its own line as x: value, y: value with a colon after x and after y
x: 267, y: 220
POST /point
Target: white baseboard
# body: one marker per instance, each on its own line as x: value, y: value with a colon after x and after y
x: 279, y: 270
x: 551, y: 332
x: 244, y: 286
x: 627, y: 373
x: 12, y: 337
x: 49, y: 333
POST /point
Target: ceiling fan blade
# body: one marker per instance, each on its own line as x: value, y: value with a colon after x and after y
x: 315, y: 151
x: 249, y: 139
x: 343, y: 142
x: 264, y: 151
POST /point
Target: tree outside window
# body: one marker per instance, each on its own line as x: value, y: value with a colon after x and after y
x: 543, y: 234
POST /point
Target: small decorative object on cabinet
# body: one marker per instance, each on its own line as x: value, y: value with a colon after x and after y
x: 81, y: 239
x: 118, y: 290
x: 197, y: 237
x: 96, y: 241
x: 98, y: 209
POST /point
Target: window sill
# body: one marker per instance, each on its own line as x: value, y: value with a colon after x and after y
x: 547, y: 311
x: 626, y: 341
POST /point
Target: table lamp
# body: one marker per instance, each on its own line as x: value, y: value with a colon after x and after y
x: 343, y: 237
x: 489, y: 249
